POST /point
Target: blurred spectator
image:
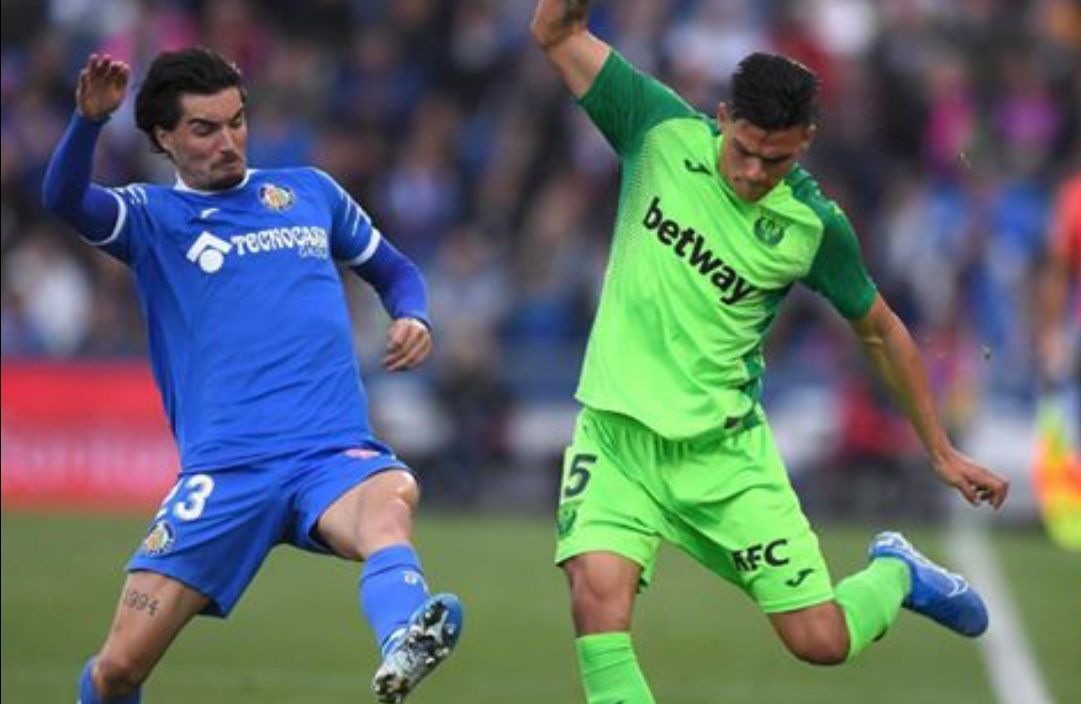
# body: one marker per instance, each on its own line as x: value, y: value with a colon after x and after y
x: 477, y: 404
x: 53, y: 290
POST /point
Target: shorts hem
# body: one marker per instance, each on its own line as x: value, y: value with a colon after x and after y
x: 217, y: 607
x: 307, y: 533
x: 565, y: 553
x: 780, y: 606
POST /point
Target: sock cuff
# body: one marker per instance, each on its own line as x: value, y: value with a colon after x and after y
x: 896, y: 567
x: 88, y: 693
x: 390, y: 558
x: 604, y: 656
x: 596, y: 643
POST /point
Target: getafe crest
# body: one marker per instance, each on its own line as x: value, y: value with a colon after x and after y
x: 769, y: 232
x: 276, y: 198
x: 159, y: 540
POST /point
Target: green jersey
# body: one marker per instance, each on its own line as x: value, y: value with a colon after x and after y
x: 695, y: 275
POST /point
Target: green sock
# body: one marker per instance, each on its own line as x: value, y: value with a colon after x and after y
x: 871, y: 600
x: 610, y: 672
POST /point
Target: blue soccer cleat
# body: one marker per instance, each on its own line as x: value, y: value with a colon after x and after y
x: 431, y: 635
x: 937, y: 593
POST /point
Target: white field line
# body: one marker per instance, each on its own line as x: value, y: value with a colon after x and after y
x: 1015, y: 676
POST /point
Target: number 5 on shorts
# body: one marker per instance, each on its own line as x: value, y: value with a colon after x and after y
x: 198, y: 487
x: 578, y: 475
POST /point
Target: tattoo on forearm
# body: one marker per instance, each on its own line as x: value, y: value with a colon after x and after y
x: 140, y: 601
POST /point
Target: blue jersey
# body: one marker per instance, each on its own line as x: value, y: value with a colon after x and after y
x: 249, y: 334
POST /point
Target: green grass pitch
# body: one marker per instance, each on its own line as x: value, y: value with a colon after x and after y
x: 297, y: 637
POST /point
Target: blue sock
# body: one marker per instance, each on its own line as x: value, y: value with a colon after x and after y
x: 88, y: 693
x: 391, y: 588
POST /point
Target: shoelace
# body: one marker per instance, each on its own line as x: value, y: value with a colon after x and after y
x: 416, y: 653
x: 958, y: 585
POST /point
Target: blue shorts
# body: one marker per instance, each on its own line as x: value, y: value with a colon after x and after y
x: 214, y: 529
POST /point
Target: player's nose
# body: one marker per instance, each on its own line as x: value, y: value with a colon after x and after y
x: 228, y: 143
x: 753, y: 171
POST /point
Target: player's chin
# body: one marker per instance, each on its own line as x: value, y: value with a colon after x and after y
x: 228, y: 176
x: 752, y: 194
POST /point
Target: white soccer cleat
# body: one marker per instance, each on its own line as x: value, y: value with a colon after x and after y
x: 431, y: 635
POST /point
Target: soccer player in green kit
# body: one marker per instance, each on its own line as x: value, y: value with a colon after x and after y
x: 716, y: 222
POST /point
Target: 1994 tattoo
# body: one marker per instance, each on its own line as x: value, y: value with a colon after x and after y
x: 140, y: 601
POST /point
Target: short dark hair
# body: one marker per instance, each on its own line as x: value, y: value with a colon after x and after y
x: 774, y: 92
x: 196, y: 70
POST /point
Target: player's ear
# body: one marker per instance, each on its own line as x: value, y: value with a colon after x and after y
x: 722, y: 114
x: 808, y: 136
x: 164, y: 138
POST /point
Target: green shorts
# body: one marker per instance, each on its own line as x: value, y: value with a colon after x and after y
x: 726, y: 501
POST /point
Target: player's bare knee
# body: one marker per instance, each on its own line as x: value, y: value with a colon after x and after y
x: 817, y: 635
x: 599, y: 602
x: 819, y: 648
x: 385, y: 516
x: 599, y: 610
x: 592, y: 616
x: 118, y: 675
x: 391, y: 488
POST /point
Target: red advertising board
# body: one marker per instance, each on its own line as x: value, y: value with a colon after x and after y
x: 83, y: 435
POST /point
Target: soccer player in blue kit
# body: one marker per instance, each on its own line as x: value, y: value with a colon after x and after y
x: 250, y: 346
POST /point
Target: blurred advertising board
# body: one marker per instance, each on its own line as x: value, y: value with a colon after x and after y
x: 83, y: 435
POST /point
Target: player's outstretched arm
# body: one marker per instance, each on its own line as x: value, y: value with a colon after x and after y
x: 559, y: 28
x: 67, y: 190
x: 897, y: 359
x: 404, y: 294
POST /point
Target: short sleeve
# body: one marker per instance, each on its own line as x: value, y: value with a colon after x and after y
x: 838, y: 272
x: 625, y: 103
x: 353, y: 237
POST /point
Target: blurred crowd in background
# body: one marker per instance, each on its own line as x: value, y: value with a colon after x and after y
x: 946, y: 126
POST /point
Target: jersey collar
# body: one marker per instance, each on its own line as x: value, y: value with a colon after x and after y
x: 181, y: 186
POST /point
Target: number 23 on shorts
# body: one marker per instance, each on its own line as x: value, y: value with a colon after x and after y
x: 197, y: 490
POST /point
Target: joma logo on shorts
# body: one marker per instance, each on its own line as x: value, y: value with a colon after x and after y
x: 690, y: 245
x: 748, y: 559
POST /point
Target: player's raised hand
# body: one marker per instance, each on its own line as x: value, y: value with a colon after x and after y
x: 408, y: 344
x: 979, y: 485
x: 102, y: 85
